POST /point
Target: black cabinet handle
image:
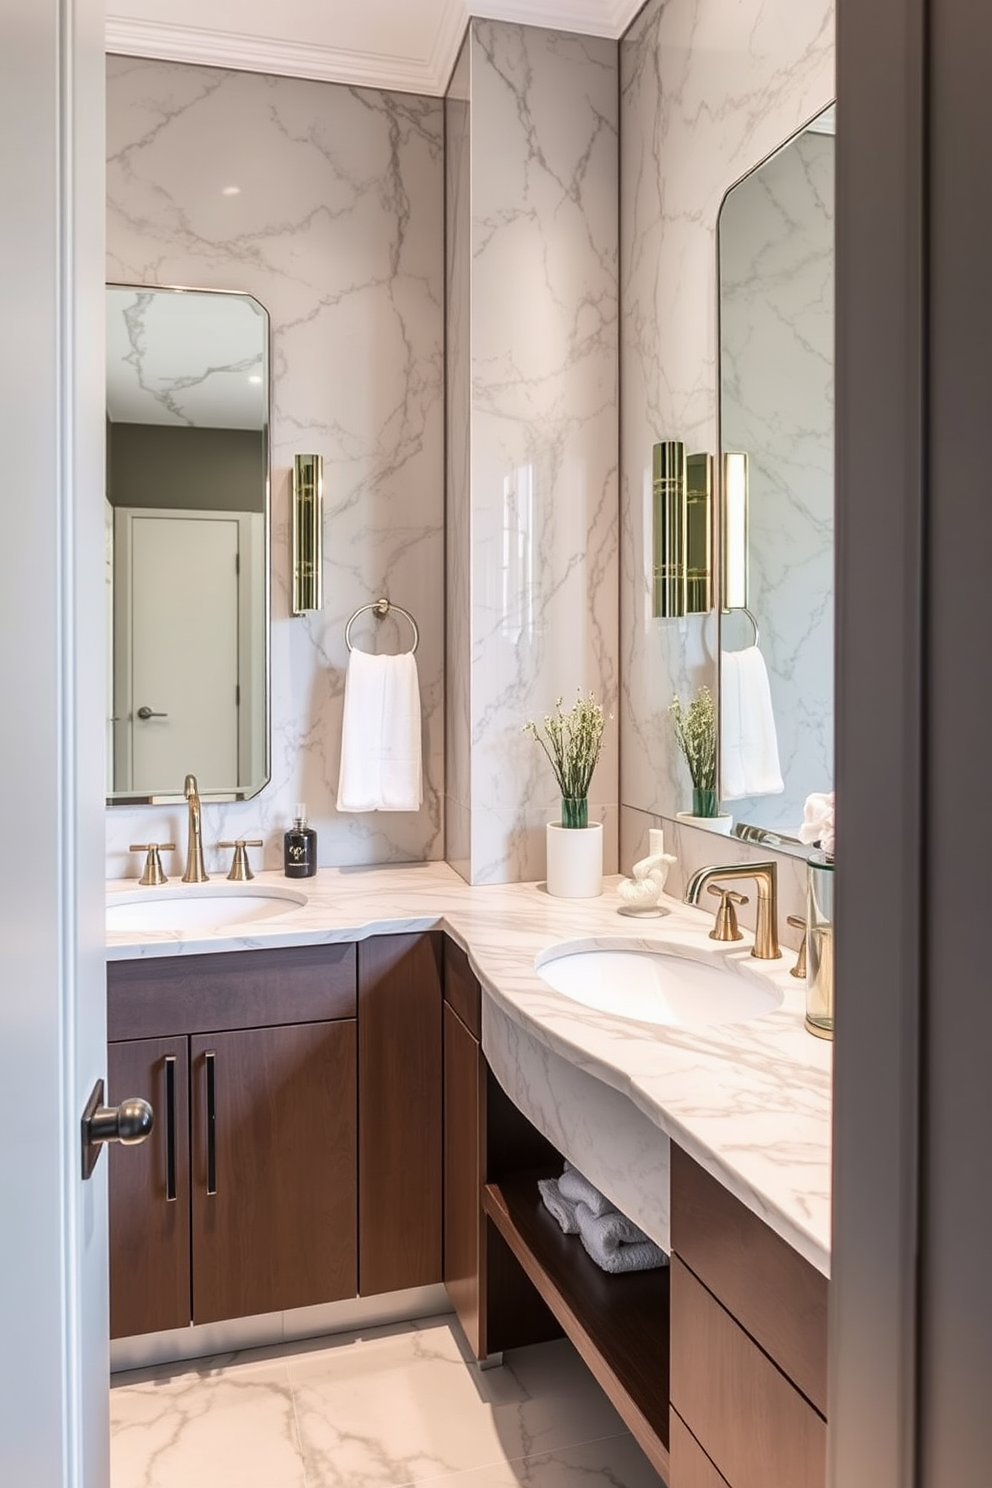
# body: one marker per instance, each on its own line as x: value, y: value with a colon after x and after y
x: 210, y: 1061
x: 170, y: 1129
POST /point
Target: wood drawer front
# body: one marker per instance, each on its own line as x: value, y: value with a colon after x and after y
x: 461, y: 987
x: 691, y: 1468
x: 752, y: 1423
x: 154, y: 998
x: 776, y: 1295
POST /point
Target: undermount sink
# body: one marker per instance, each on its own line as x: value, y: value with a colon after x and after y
x: 655, y: 986
x: 199, y: 906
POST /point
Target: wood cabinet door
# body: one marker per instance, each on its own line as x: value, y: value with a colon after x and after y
x: 274, y: 1169
x: 464, y: 1157
x: 149, y: 1191
x: 399, y: 1064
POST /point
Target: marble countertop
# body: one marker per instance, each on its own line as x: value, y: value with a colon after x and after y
x: 749, y: 1102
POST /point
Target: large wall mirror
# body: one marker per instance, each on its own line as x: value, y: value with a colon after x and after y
x: 187, y: 543
x: 776, y: 276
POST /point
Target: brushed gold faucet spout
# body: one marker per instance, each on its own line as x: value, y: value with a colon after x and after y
x: 765, y: 876
x: 195, y: 870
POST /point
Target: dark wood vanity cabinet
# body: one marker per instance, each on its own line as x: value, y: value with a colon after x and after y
x: 399, y: 1124
x: 149, y: 1191
x: 749, y: 1346
x: 244, y: 1199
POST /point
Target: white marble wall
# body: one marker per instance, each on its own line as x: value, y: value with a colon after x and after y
x: 458, y: 284
x: 336, y: 227
x: 706, y: 93
x: 777, y: 365
x: 536, y: 521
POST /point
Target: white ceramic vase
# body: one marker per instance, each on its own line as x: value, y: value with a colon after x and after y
x: 721, y: 823
x: 575, y: 860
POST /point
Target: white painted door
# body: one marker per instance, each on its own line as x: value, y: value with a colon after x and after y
x: 179, y: 592
x: 53, y: 1225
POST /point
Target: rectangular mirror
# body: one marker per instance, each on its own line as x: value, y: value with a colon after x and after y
x: 776, y: 277
x: 187, y: 533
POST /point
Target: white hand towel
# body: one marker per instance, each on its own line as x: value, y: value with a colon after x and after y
x: 561, y: 1209
x: 616, y: 1244
x: 573, y: 1185
x: 749, y: 763
x: 381, y: 767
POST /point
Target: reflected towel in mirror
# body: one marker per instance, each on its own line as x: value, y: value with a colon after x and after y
x: 749, y: 763
x: 381, y: 765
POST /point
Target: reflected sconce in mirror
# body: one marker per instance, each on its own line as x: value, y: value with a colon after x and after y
x: 682, y: 506
x: 735, y: 534
x: 308, y: 533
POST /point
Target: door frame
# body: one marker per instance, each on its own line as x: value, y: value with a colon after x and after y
x: 53, y: 1242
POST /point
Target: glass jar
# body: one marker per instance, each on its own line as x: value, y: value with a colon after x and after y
x: 820, y: 945
x: 575, y: 811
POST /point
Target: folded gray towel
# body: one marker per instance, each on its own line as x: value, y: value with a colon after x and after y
x: 615, y: 1243
x: 560, y: 1208
x: 572, y: 1185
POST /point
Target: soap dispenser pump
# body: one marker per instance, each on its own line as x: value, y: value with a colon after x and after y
x: 300, y: 847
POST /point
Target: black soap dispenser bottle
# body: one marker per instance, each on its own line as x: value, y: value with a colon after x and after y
x: 300, y: 847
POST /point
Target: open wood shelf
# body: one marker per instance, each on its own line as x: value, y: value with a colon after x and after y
x: 619, y: 1324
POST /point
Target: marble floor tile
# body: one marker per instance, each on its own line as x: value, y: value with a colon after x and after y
x: 223, y: 1424
x: 381, y: 1408
x: 392, y: 1410
x: 617, y: 1462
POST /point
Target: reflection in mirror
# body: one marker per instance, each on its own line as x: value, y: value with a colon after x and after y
x: 186, y: 543
x: 776, y: 247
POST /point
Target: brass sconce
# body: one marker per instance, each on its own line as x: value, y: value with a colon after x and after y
x: 308, y: 533
x: 682, y: 505
x: 734, y: 531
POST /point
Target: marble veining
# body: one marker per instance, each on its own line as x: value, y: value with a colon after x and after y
x: 532, y: 366
x: 325, y: 203
x: 750, y: 1102
x: 379, y: 1408
x: 706, y: 93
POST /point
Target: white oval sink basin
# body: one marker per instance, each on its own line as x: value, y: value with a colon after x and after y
x: 656, y: 986
x: 199, y: 906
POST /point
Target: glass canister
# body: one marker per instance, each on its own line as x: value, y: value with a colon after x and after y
x: 820, y: 945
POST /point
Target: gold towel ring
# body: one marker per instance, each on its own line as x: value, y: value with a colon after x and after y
x: 380, y: 608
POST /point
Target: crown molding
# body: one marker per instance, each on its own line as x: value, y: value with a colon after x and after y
x: 586, y: 17
x: 246, y: 53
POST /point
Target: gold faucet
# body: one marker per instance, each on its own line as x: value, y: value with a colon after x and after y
x: 765, y: 876
x: 195, y: 871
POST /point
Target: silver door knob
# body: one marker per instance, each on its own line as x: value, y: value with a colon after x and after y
x: 146, y: 712
x: 129, y: 1123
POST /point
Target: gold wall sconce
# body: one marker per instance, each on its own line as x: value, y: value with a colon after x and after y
x: 308, y: 533
x: 682, y: 516
x: 734, y: 524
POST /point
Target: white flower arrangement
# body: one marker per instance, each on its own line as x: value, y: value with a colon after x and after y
x: 573, y: 742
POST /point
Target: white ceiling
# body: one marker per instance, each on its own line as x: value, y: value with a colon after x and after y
x: 408, y: 45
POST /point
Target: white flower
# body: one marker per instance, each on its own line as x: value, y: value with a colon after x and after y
x: 818, y: 821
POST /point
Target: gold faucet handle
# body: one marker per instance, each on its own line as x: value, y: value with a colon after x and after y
x: 240, y: 867
x: 726, y: 916
x: 799, y: 923
x: 153, y: 872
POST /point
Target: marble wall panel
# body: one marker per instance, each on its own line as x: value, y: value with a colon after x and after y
x: 706, y: 93
x: 777, y: 372
x: 325, y: 202
x: 458, y: 280
x: 543, y: 431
